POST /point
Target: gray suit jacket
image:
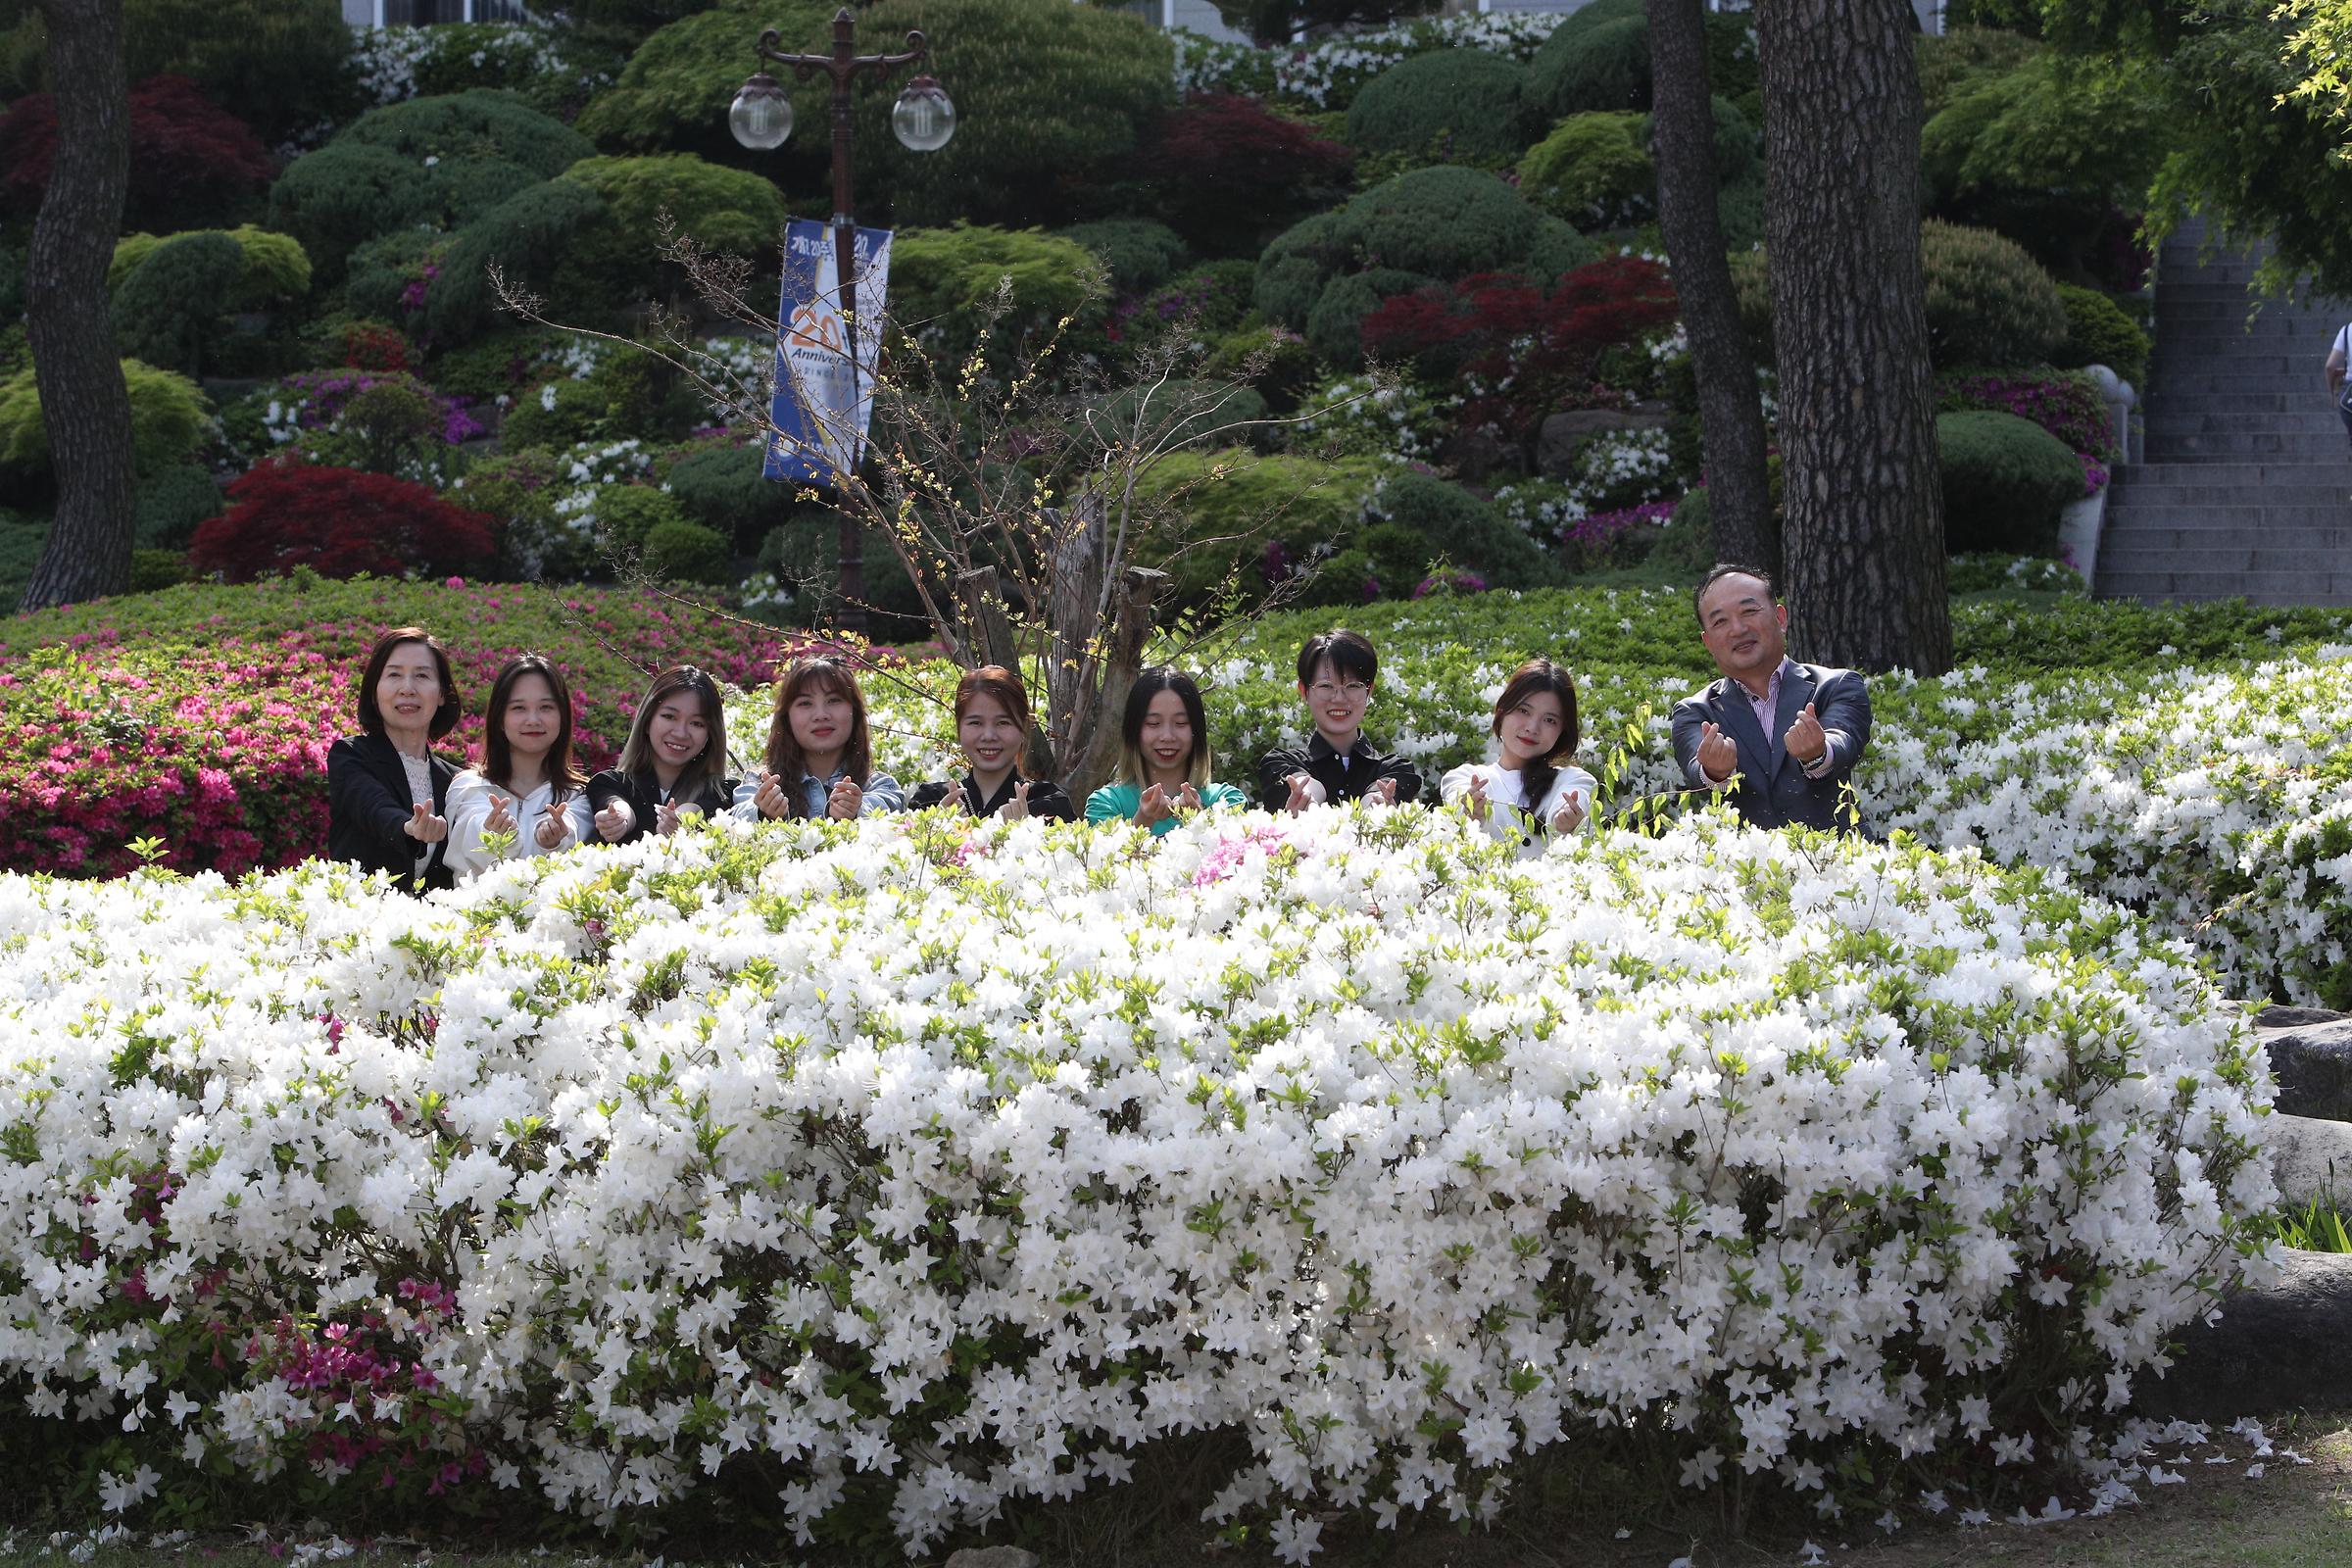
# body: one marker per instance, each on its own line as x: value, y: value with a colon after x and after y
x: 1774, y: 790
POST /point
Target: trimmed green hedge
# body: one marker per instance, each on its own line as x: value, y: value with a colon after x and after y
x: 1472, y: 101
x: 2005, y: 479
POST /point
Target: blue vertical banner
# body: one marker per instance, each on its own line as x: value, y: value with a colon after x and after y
x: 820, y: 418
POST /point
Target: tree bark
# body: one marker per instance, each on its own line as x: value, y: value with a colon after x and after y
x: 85, y: 404
x: 1862, y: 501
x: 1731, y: 416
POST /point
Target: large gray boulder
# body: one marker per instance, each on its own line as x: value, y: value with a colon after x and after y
x: 2311, y: 1061
x: 2312, y: 1161
x: 2285, y: 1346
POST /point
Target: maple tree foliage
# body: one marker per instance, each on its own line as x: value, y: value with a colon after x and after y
x: 191, y: 161
x: 339, y: 522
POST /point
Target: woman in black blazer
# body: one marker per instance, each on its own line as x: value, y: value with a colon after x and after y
x: 991, y: 727
x: 385, y: 789
x: 673, y: 765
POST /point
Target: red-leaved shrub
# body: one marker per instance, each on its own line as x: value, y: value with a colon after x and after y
x: 192, y: 163
x: 339, y: 522
x: 1222, y: 153
x: 1520, y: 350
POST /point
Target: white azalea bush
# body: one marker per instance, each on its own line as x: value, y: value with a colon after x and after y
x: 912, y: 1170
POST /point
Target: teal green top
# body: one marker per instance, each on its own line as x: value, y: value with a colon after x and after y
x: 1113, y: 801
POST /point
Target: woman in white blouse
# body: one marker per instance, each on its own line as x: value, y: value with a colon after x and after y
x: 1530, y: 793
x: 527, y: 788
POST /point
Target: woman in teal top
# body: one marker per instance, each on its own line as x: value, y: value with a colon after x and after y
x: 1163, y: 764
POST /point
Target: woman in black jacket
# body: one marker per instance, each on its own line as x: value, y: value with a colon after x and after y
x: 674, y: 765
x: 992, y: 728
x: 385, y: 789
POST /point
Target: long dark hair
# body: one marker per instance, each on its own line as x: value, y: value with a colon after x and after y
x: 1001, y: 684
x: 707, y: 769
x: 784, y: 757
x: 1149, y: 683
x: 498, y: 758
x: 1535, y: 676
x: 445, y: 718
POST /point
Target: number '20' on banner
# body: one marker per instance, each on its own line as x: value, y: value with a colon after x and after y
x: 821, y: 410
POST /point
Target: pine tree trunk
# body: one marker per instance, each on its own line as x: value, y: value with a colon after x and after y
x: 85, y: 404
x: 1731, y: 416
x: 1862, y: 502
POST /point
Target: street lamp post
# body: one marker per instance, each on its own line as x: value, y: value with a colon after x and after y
x: 760, y: 119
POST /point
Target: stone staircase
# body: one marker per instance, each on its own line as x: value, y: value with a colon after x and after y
x: 2246, y: 490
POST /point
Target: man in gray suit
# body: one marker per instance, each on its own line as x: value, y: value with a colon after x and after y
x: 1780, y: 736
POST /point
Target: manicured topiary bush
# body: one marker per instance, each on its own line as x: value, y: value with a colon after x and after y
x: 672, y: 94
x: 626, y: 517
x: 173, y: 309
x: 434, y: 162
x: 1223, y: 167
x: 1597, y: 60
x: 1219, y: 511
x: 1052, y: 101
x: 173, y: 502
x: 1139, y: 253
x: 170, y: 419
x: 276, y: 266
x: 1592, y: 170
x: 2004, y: 481
x: 1464, y: 532
x: 2099, y: 332
x: 534, y: 238
x: 725, y: 209
x: 1438, y: 223
x: 1989, y: 303
x: 943, y: 280
x: 722, y: 488
x: 339, y: 522
x: 2063, y: 403
x: 1467, y: 99
x: 679, y: 551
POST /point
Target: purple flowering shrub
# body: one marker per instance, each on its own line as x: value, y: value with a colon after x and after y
x: 2063, y: 403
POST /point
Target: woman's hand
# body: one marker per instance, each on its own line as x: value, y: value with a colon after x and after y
x: 666, y: 819
x: 1475, y: 801
x: 424, y: 828
x: 1154, y: 806
x: 846, y: 802
x: 502, y: 814
x: 771, y: 797
x: 554, y: 826
x: 1189, y: 798
x: 1570, y: 817
x: 1015, y: 810
x: 614, y: 822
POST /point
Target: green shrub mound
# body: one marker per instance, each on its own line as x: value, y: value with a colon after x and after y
x: 1597, y: 59
x: 1466, y: 103
x: 374, y: 179
x: 1463, y: 532
x: 1988, y: 302
x: 626, y: 516
x: 1280, y: 364
x: 171, y: 501
x: 805, y: 554
x: 672, y: 95
x: 679, y: 551
x: 535, y: 237
x: 1139, y: 253
x: 276, y: 266
x: 1215, y: 513
x: 944, y: 282
x: 170, y: 419
x: 725, y: 209
x: 1990, y: 305
x: 2005, y: 479
x: 173, y: 309
x: 722, y: 488
x: 2099, y: 332
x: 1431, y: 225
x: 1593, y: 170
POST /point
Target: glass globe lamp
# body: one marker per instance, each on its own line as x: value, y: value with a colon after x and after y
x: 923, y: 120
x: 761, y: 116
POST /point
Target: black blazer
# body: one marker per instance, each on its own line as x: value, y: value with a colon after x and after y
x: 645, y: 797
x: 1352, y: 779
x: 1046, y: 797
x: 367, y: 810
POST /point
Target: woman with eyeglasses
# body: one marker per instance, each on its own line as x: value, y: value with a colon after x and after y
x: 673, y: 768
x: 1338, y: 672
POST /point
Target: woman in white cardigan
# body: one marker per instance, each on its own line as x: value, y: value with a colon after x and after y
x: 527, y: 788
x: 1529, y: 794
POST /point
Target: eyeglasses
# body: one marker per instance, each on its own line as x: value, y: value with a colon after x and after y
x: 1324, y: 690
